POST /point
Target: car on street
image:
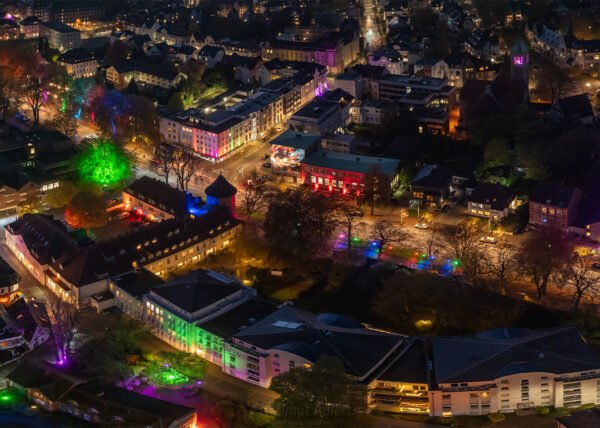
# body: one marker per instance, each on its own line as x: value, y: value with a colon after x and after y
x: 596, y: 266
x: 488, y: 240
x: 266, y: 165
x: 265, y: 156
x: 422, y: 224
x: 21, y: 117
x: 357, y: 213
x: 123, y: 215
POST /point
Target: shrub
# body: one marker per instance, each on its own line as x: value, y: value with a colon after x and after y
x: 497, y: 417
x: 542, y: 410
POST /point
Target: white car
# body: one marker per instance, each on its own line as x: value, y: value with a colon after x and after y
x: 122, y: 216
x: 488, y: 240
x: 422, y: 225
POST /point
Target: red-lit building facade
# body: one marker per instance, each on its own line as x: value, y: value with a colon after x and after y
x: 344, y: 172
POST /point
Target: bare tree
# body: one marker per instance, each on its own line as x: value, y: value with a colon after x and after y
x: 503, y: 265
x: 253, y: 199
x: 463, y: 244
x: 541, y: 256
x: 376, y: 188
x: 183, y: 159
x: 348, y: 219
x: 579, y: 274
x: 164, y: 162
x: 65, y: 122
x: 432, y: 240
x: 385, y: 232
x: 62, y: 314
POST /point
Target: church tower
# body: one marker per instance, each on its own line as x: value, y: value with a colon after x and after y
x: 519, y: 62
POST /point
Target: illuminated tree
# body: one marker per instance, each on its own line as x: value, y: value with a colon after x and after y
x: 253, y: 199
x: 349, y: 219
x: 103, y: 163
x: 31, y: 205
x: 62, y: 315
x: 579, y: 274
x: 385, y: 232
x: 87, y: 210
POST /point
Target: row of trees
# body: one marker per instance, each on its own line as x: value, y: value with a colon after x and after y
x: 546, y: 259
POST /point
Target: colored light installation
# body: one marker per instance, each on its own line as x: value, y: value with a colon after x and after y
x: 103, y: 163
x: 170, y: 376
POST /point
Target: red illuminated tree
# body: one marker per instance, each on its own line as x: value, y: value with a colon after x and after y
x: 86, y: 210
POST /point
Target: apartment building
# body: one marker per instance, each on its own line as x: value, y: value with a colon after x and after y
x: 67, y: 266
x: 120, y: 75
x: 335, y: 51
x: 216, y: 132
x: 60, y: 36
x: 78, y: 63
x: 506, y: 370
x: 30, y: 27
x: 491, y: 201
x: 324, y: 115
x: 553, y: 205
x: 417, y: 90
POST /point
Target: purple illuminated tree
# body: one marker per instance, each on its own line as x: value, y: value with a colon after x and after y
x: 62, y: 315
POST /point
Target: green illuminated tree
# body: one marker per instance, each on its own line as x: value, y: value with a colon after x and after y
x: 103, y: 163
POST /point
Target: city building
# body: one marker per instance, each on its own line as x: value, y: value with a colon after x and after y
x: 215, y: 132
x: 335, y: 51
x: 350, y: 82
x: 289, y: 149
x: 430, y: 186
x: 587, y: 54
x: 580, y: 419
x: 16, y: 188
x: 507, y: 370
x: 553, y: 205
x: 414, y: 90
x: 72, y: 267
x: 30, y: 27
x: 60, y: 36
x: 23, y: 327
x: 549, y: 40
x: 402, y: 384
x: 292, y: 337
x: 211, y: 55
x: 120, y: 75
x: 94, y: 401
x: 160, y: 201
x: 389, y: 58
x: 492, y: 201
x: 9, y: 29
x: 9, y: 282
x: 327, y: 114
x: 344, y: 172
x: 483, y: 45
x: 78, y: 63
x: 76, y: 13
x: 575, y: 110
x: 432, y: 67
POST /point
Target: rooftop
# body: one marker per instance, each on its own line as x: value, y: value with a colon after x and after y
x: 496, y: 195
x: 501, y: 352
x: 296, y: 140
x: 61, y: 28
x: 350, y: 162
x: 311, y: 336
x: 555, y: 194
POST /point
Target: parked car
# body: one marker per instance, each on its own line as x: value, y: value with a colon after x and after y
x: 122, y: 216
x: 357, y: 213
x: 266, y: 165
x: 267, y: 178
x: 265, y: 156
x: 488, y: 240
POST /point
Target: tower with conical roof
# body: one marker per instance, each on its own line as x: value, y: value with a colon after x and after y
x: 519, y: 62
x: 221, y: 192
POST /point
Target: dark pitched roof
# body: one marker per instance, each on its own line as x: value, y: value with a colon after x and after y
x: 49, y: 242
x: 242, y: 316
x: 163, y: 196
x: 197, y: 290
x: 582, y: 419
x: 552, y: 194
x: 75, y: 56
x: 409, y: 366
x: 158, y: 71
x: 292, y: 329
x: 53, y: 383
x: 138, y: 282
x: 576, y: 107
x: 370, y: 71
x: 61, y: 28
x: 220, y: 188
x: 432, y: 176
x: 210, y: 51
x: 136, y: 409
x: 236, y: 60
x: 498, y: 196
x: 497, y: 353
